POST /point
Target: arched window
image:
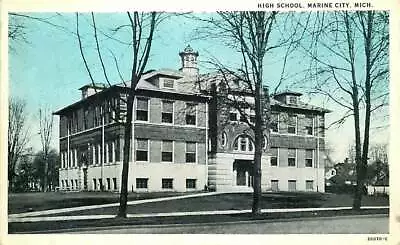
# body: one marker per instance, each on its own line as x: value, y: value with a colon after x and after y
x: 243, y: 143
x: 224, y: 139
x: 264, y: 142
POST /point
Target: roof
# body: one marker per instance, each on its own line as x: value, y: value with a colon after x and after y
x: 288, y: 92
x: 143, y: 84
x: 91, y: 85
x: 188, y: 50
x: 299, y: 105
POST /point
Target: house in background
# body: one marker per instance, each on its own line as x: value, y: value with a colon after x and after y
x: 186, y: 138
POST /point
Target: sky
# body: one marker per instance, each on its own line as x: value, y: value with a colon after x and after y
x: 47, y: 70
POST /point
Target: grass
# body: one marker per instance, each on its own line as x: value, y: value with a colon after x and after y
x: 238, y: 201
x: 241, y: 201
x: 37, y: 201
x: 59, y: 227
x: 233, y: 201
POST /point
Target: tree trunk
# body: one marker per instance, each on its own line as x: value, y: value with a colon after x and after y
x: 359, y: 167
x: 258, y: 136
x: 125, y: 164
x: 45, y: 174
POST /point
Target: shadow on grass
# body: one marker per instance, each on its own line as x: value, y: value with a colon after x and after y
x: 65, y: 226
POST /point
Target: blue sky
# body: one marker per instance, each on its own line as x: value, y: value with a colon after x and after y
x: 48, y: 70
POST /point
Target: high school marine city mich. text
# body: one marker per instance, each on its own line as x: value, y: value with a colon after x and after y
x: 327, y: 5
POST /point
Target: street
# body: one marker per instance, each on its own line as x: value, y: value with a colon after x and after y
x: 368, y: 224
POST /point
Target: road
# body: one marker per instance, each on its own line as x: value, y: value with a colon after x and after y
x: 371, y: 224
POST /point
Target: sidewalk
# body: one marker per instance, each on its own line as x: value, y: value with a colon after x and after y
x: 65, y: 210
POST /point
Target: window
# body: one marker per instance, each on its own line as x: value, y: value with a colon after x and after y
x: 74, y: 121
x: 274, y: 156
x: 167, y: 113
x: 142, y: 149
x: 233, y: 117
x: 62, y: 184
x: 168, y: 83
x: 142, y: 109
x: 291, y: 185
x: 264, y: 142
x: 309, y: 185
x: 117, y: 150
x: 309, y: 158
x: 190, y: 152
x: 70, y: 162
x: 190, y: 183
x: 243, y: 143
x: 167, y: 151
x: 291, y: 157
x: 75, y: 157
x: 114, y: 108
x: 224, y: 139
x: 76, y: 183
x: 191, y: 114
x: 94, y: 157
x: 97, y: 117
x: 94, y: 184
x: 115, y: 183
x: 62, y: 159
x: 66, y: 183
x: 110, y: 151
x: 86, y: 118
x: 141, y: 183
x: 122, y: 107
x: 292, y: 124
x: 292, y: 100
x: 101, y: 184
x: 274, y: 122
x: 275, y: 185
x: 309, y: 125
x: 72, y: 184
x: 167, y: 183
x: 99, y: 157
x: 108, y: 184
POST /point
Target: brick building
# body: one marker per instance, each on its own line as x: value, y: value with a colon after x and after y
x: 170, y: 132
x: 172, y: 150
x: 293, y: 162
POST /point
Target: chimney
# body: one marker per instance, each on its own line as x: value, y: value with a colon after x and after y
x: 91, y: 89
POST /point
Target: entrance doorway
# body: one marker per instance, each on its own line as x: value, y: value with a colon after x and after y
x: 243, y: 169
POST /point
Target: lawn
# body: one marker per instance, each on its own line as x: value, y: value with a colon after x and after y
x: 233, y: 201
x: 242, y: 201
x: 27, y: 202
x: 238, y: 201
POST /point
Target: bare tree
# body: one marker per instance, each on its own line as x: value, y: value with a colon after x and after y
x: 45, y: 132
x: 349, y: 52
x: 379, y: 152
x: 142, y: 27
x: 18, y: 136
x: 251, y: 34
x: 20, y: 26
